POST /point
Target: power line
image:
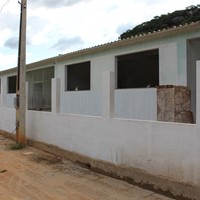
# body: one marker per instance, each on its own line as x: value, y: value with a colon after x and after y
x: 4, y: 6
x: 8, y: 136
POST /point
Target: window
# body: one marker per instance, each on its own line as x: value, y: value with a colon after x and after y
x: 39, y: 89
x: 78, y: 76
x: 12, y: 84
x: 138, y: 70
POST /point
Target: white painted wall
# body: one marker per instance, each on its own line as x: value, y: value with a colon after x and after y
x: 7, y: 119
x: 193, y: 49
x: 10, y: 100
x: 169, y: 150
x: 100, y: 64
x: 129, y: 103
x: 105, y: 61
x: 165, y: 149
x: 168, y: 64
x: 81, y: 102
x: 136, y: 104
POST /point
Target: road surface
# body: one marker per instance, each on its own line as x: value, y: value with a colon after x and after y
x: 30, y: 174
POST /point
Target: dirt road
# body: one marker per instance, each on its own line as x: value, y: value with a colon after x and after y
x: 30, y: 174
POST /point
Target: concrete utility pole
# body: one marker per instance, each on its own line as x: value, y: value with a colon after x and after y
x: 21, y: 79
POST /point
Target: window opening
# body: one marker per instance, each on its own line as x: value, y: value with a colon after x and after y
x: 39, y: 91
x: 78, y: 76
x: 12, y: 84
x: 138, y: 70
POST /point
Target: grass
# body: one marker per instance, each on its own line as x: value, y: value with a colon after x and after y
x: 16, y: 146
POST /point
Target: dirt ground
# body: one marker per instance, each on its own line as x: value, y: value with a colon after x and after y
x: 30, y: 174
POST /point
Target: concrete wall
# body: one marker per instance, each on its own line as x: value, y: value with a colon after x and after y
x: 167, y: 150
x: 129, y: 103
x: 170, y: 55
x: 136, y: 104
x: 168, y: 64
x: 10, y: 100
x: 193, y: 54
x: 81, y: 102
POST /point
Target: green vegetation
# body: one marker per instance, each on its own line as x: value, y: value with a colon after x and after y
x: 16, y: 146
x: 179, y: 17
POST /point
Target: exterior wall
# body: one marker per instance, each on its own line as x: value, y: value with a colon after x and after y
x: 10, y: 100
x: 182, y: 62
x: 145, y: 145
x: 7, y: 100
x: 193, y: 49
x: 168, y: 150
x: 129, y: 103
x: 105, y: 61
x: 136, y: 104
x: 82, y: 103
x: 100, y: 63
x: 172, y: 60
x: 168, y: 64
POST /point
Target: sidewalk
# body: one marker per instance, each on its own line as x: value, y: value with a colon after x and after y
x: 30, y: 174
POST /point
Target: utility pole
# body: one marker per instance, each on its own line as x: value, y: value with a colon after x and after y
x: 21, y: 79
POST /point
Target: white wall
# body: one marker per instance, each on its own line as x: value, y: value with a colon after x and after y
x: 170, y: 150
x: 193, y: 49
x: 81, y: 102
x: 136, y: 104
x: 165, y: 149
x: 105, y: 61
x: 10, y: 100
x: 99, y: 64
x: 168, y: 64
x: 129, y: 103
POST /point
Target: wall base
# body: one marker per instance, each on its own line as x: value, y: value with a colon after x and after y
x: 161, y: 185
x: 158, y: 184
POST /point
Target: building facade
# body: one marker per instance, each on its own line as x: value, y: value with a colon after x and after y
x: 101, y: 103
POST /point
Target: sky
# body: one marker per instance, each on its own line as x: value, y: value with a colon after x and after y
x: 61, y: 26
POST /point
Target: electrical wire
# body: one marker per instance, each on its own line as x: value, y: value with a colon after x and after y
x: 9, y: 135
x: 4, y: 6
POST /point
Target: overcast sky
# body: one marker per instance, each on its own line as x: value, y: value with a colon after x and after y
x: 61, y: 26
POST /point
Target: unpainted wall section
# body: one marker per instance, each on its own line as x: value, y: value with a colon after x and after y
x: 174, y: 104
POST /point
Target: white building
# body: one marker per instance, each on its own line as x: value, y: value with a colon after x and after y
x: 97, y: 103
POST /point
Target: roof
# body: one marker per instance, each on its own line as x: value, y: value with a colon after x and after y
x: 116, y: 44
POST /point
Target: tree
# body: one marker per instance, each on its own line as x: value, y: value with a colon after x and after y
x: 176, y: 18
